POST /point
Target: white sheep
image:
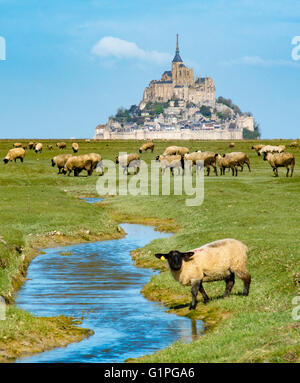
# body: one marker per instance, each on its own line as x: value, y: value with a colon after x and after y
x: 38, y: 147
x: 241, y: 158
x: 258, y: 147
x: 61, y: 145
x: 147, y: 146
x: 219, y: 260
x: 271, y: 149
x: 60, y: 161
x: 280, y: 160
x: 226, y: 162
x: 77, y: 164
x: 170, y: 161
x: 173, y: 150
x: 129, y: 160
x: 75, y: 147
x: 14, y: 154
x: 201, y: 159
x: 96, y: 162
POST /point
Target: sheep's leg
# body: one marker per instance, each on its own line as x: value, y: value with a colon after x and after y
x: 229, y: 285
x: 202, y: 291
x: 292, y: 170
x: 248, y: 164
x: 246, y: 278
x: 195, y: 289
x: 215, y: 170
x: 208, y: 170
x: 288, y: 169
x: 236, y: 171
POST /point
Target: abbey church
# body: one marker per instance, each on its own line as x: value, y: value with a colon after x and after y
x: 180, y: 84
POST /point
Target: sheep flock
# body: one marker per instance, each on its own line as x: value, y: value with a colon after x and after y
x: 173, y: 157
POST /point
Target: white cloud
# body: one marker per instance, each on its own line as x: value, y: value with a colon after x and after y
x: 109, y: 47
x: 258, y: 61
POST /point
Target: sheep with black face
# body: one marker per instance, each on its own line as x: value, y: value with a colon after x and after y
x: 219, y: 260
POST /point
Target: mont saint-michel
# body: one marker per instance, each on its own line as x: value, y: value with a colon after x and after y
x: 179, y: 106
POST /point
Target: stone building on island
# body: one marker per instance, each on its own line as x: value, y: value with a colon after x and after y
x: 178, y: 107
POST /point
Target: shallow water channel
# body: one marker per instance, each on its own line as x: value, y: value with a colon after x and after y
x: 98, y: 281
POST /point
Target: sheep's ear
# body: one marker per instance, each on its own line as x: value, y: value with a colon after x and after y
x: 216, y: 155
x: 186, y: 256
x: 224, y: 155
x: 161, y: 256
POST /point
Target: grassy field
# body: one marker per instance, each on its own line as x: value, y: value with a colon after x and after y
x: 256, y: 208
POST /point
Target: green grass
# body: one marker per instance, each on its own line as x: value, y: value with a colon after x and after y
x: 256, y: 208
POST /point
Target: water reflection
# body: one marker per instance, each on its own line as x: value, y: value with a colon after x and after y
x: 99, y: 282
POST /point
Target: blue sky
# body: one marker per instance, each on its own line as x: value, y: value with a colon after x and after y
x: 70, y: 64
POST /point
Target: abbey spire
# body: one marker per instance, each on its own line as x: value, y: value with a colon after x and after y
x: 177, y: 58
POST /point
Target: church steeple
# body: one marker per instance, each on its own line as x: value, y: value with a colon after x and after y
x: 177, y: 58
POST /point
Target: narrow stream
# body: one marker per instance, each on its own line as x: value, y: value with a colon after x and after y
x: 98, y: 281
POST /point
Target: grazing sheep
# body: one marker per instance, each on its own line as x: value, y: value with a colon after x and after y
x: 24, y: 147
x: 77, y: 164
x: 60, y: 161
x: 208, y: 159
x: 232, y: 145
x: 38, y: 147
x: 240, y: 158
x: 75, y: 147
x: 293, y: 144
x: 173, y: 150
x: 170, y: 161
x: 14, y: 154
x: 271, y: 149
x: 96, y: 161
x: 31, y: 145
x: 226, y: 162
x: 17, y: 145
x: 87, y: 140
x: 280, y: 160
x: 219, y: 260
x: 61, y: 145
x: 129, y: 160
x: 50, y: 147
x: 147, y: 146
x: 257, y: 147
